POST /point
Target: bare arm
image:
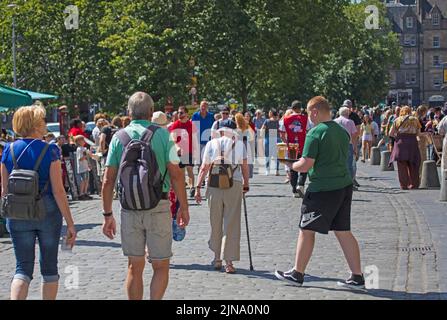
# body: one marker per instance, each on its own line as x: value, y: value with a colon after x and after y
x: 102, y: 143
x: 178, y: 184
x: 245, y: 173
x: 108, y: 185
x: 61, y: 199
x: 303, y: 165
x: 59, y: 192
x: 5, y: 176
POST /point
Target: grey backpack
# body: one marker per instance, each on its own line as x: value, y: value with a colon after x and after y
x: 140, y: 184
x: 24, y: 199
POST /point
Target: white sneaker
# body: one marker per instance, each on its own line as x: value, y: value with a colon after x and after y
x: 266, y: 173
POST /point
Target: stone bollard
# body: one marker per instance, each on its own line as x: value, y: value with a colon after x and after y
x: 430, y: 178
x: 443, y: 186
x: 375, y: 156
x: 384, y: 161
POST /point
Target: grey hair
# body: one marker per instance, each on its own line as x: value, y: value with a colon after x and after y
x: 344, y: 111
x: 140, y: 106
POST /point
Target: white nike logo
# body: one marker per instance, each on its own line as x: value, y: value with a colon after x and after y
x: 308, y: 218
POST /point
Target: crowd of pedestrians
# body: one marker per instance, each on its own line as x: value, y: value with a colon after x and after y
x: 147, y: 160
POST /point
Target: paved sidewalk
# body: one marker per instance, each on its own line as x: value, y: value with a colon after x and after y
x: 401, y: 233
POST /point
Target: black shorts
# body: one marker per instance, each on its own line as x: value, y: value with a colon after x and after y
x: 327, y: 211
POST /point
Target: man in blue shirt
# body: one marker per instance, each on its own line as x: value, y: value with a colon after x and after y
x: 203, y: 119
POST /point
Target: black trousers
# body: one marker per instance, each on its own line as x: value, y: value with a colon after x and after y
x: 297, y: 179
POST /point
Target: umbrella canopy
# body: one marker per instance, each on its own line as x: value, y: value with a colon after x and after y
x: 12, y: 98
x: 39, y: 96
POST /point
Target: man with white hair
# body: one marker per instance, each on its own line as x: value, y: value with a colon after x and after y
x: 349, y: 125
x: 141, y: 229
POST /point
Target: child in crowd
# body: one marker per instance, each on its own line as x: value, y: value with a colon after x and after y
x: 82, y: 168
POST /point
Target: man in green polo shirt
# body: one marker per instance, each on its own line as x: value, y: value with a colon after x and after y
x: 145, y: 229
x: 327, y: 202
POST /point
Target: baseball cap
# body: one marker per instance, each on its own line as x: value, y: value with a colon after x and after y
x: 227, y: 124
x: 226, y: 109
x: 296, y: 105
x: 347, y: 103
x: 160, y: 118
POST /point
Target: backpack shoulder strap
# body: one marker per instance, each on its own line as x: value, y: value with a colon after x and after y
x: 13, y: 156
x: 149, y: 133
x: 42, y: 154
x: 123, y: 137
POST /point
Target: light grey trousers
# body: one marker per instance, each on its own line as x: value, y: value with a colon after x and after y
x: 225, y: 219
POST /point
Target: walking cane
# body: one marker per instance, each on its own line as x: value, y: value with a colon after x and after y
x: 248, y: 234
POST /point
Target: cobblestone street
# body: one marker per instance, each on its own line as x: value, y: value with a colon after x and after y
x: 402, y: 233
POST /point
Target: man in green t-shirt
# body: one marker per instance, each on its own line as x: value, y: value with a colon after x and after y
x: 327, y: 202
x: 146, y: 232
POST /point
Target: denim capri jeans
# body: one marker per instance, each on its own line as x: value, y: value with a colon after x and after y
x: 47, y: 232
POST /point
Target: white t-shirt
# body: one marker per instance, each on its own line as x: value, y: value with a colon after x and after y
x: 375, y: 128
x: 95, y: 135
x: 82, y: 165
x: 234, y: 156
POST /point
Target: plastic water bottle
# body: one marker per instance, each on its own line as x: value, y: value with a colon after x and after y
x: 178, y: 234
x: 65, y: 246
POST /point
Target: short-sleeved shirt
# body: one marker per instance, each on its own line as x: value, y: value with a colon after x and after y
x: 270, y: 126
x: 161, y: 143
x: 29, y: 158
x: 82, y: 165
x: 109, y: 131
x: 367, y: 129
x: 234, y: 156
x: 95, y: 135
x: 407, y: 125
x: 348, y: 124
x: 204, y: 125
x: 183, y: 132
x: 295, y: 126
x: 327, y: 144
x: 258, y: 122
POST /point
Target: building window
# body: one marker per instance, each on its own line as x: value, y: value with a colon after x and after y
x: 436, y: 42
x: 410, y: 57
x: 410, y: 77
x: 437, y: 81
x: 410, y: 40
x: 393, y: 77
x: 436, y: 61
x: 410, y: 22
x: 436, y: 19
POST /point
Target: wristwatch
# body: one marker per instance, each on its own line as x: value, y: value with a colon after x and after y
x: 107, y: 214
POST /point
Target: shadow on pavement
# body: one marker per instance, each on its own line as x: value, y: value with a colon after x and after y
x: 267, y: 183
x: 267, y: 196
x: 85, y: 243
x: 204, y: 267
x: 81, y: 227
x: 381, y: 293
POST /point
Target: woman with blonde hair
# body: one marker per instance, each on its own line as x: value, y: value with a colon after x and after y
x: 25, y: 154
x: 247, y: 136
x: 406, y: 129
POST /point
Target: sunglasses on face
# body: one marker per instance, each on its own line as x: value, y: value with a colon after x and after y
x: 226, y: 113
x: 181, y: 112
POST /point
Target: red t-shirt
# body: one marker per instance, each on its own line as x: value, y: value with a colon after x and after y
x: 252, y: 125
x: 295, y: 126
x: 184, y: 132
x: 76, y: 132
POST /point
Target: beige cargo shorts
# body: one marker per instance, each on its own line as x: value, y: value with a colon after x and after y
x: 151, y: 229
